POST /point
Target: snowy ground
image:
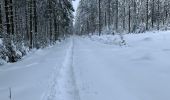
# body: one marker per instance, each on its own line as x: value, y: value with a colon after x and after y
x: 83, y: 68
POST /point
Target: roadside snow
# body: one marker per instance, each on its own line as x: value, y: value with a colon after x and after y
x: 107, y: 39
x: 138, y: 71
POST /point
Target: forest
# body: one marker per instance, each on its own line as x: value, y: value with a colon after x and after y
x: 122, y: 16
x: 28, y: 24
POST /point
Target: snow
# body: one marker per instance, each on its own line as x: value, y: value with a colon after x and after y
x: 107, y: 39
x: 1, y: 42
x: 139, y: 71
x: 29, y: 79
x: 93, y: 68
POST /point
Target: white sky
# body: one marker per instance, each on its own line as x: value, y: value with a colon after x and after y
x: 75, y: 5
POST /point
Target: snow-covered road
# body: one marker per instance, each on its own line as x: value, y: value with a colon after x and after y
x: 33, y: 77
x: 81, y: 68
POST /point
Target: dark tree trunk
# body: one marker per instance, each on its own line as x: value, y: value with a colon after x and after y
x: 135, y: 16
x: 55, y: 28
x: 124, y: 15
x: 158, y: 17
x: 35, y: 16
x: 50, y: 22
x: 105, y: 19
x: 117, y: 15
x: 35, y: 24
x: 153, y: 12
x: 7, y: 17
x: 109, y: 14
x: 99, y: 17
x: 11, y: 17
x: 26, y: 21
x: 129, y: 14
x: 31, y: 24
x: 1, y: 26
x: 147, y: 15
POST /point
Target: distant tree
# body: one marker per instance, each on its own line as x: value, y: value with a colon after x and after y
x: 153, y: 13
x: 131, y: 16
x: 99, y: 16
x: 1, y: 26
x: 147, y: 15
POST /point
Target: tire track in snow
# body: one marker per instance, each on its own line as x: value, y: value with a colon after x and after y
x: 77, y: 94
x: 63, y: 84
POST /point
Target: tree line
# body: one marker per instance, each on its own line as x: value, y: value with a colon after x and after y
x: 27, y: 24
x: 118, y: 16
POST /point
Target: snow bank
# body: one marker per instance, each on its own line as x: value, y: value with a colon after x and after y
x: 108, y: 39
x: 138, y: 71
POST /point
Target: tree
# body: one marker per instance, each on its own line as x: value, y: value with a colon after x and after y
x: 147, y: 16
x: 99, y: 16
x: 135, y: 16
x: 1, y: 26
x: 117, y: 15
x: 33, y: 24
x: 158, y: 15
x: 129, y: 19
x: 153, y: 13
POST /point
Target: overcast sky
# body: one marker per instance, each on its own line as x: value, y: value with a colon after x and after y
x: 75, y: 5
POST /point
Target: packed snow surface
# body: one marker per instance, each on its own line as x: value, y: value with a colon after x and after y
x: 93, y: 68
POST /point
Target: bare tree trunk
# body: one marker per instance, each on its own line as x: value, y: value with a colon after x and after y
x: 117, y: 15
x: 11, y: 17
x: 26, y: 21
x: 50, y: 22
x: 124, y: 15
x: 1, y: 26
x: 87, y: 26
x: 109, y: 14
x: 147, y: 16
x: 7, y: 17
x: 55, y: 28
x: 129, y: 14
x: 31, y: 24
x: 166, y: 11
x: 16, y: 19
x: 35, y: 16
x: 105, y: 19
x: 99, y: 17
x: 35, y: 23
x: 158, y: 17
x: 134, y: 16
x: 153, y: 12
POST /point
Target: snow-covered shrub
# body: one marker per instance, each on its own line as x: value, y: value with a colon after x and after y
x: 2, y: 52
x: 109, y: 39
x: 11, y: 51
